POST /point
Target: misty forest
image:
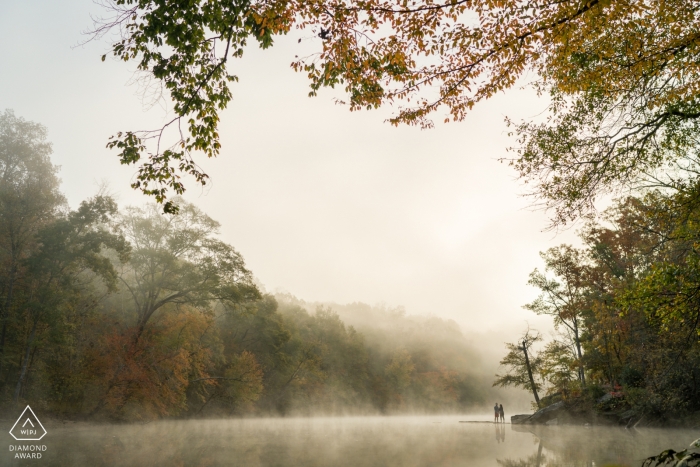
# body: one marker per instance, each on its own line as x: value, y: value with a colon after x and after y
x: 131, y: 315
x: 141, y: 320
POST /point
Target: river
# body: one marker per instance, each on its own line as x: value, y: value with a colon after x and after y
x: 348, y: 441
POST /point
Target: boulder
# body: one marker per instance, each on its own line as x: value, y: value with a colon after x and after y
x: 546, y: 414
x: 519, y: 419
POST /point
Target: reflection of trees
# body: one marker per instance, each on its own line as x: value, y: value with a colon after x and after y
x: 573, y: 446
x: 534, y: 460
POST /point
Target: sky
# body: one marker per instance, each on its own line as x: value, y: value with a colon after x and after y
x: 323, y: 203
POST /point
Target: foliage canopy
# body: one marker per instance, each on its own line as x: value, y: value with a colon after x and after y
x: 622, y: 77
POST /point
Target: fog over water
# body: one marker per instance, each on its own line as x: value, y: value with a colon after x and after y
x: 354, y: 441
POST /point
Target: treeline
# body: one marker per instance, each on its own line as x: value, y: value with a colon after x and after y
x: 133, y: 314
x: 626, y: 307
x: 414, y: 363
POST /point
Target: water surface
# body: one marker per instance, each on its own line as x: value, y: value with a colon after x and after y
x: 349, y: 441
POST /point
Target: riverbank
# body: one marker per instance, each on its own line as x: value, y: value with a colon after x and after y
x: 608, y: 410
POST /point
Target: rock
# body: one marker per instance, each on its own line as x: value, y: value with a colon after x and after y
x: 519, y: 419
x: 553, y: 421
x: 542, y: 416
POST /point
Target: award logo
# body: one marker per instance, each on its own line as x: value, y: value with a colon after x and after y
x: 28, y: 427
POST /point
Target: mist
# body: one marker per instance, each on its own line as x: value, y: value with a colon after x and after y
x: 370, y: 441
x: 435, y: 344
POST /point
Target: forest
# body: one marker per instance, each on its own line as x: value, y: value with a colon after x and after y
x: 132, y: 314
x: 626, y: 307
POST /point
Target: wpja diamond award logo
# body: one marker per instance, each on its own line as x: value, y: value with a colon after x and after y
x: 28, y: 428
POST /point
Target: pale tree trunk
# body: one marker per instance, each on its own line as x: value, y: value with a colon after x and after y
x: 529, y: 374
x: 581, y: 371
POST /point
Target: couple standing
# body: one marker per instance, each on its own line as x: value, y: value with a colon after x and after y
x: 498, y: 413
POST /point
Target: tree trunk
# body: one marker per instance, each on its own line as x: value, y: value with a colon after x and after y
x: 581, y: 372
x: 141, y: 325
x: 5, y: 312
x: 538, y: 460
x: 25, y: 363
x: 139, y: 330
x: 529, y: 374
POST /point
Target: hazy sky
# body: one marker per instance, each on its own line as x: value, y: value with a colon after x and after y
x: 322, y: 203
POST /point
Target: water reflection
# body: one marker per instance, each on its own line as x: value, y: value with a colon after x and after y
x: 353, y: 441
x: 571, y: 446
x: 535, y: 460
x: 500, y: 432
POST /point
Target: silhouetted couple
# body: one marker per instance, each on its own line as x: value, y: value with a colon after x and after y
x: 498, y: 413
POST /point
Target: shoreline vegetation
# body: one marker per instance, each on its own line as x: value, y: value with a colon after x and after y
x: 625, y: 308
x: 600, y: 413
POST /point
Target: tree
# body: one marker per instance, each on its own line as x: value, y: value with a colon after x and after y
x: 399, y: 370
x: 522, y: 366
x: 564, y: 297
x: 29, y: 200
x: 623, y: 76
x: 653, y: 306
x: 153, y: 377
x: 558, y: 366
x: 179, y: 46
x: 177, y: 274
x: 69, y: 247
x: 176, y: 259
x: 254, y: 361
x: 621, y: 247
